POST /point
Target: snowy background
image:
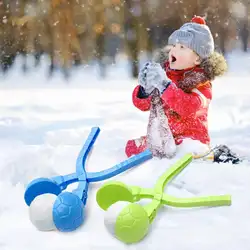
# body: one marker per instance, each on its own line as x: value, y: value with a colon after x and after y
x: 44, y: 123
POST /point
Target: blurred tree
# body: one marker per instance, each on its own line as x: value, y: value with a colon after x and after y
x: 47, y: 26
x: 245, y: 34
x: 24, y: 27
x: 7, y: 39
x: 245, y: 25
x: 241, y: 12
x: 137, y: 28
x: 172, y: 14
x: 219, y: 18
x: 132, y: 11
x: 145, y: 27
x: 100, y: 23
x: 64, y: 34
x: 77, y: 31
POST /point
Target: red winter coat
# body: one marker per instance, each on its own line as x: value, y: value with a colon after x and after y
x: 186, y: 102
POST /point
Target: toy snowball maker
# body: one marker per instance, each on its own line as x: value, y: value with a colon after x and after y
x: 128, y: 221
x: 64, y: 211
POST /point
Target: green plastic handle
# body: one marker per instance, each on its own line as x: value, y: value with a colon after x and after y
x: 213, y: 201
x: 158, y: 190
x: 172, y: 172
x: 114, y: 191
x: 160, y: 198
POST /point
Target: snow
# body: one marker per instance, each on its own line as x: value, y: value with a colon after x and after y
x: 40, y: 212
x: 44, y: 124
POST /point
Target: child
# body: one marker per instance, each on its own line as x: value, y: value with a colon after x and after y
x: 183, y: 78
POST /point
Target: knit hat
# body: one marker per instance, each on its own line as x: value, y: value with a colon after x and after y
x: 196, y: 35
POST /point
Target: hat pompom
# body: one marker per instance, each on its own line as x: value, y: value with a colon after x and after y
x: 198, y: 19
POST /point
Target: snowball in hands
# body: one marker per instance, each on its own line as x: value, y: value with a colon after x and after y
x: 142, y: 77
x: 40, y: 212
x: 156, y: 77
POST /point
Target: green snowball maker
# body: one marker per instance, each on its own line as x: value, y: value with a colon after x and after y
x: 133, y: 221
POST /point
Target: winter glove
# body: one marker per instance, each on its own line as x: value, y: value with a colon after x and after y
x: 145, y: 87
x: 156, y: 77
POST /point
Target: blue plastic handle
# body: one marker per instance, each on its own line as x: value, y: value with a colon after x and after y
x: 82, y: 157
x: 82, y: 189
x: 57, y: 184
x: 121, y: 167
x: 65, y: 180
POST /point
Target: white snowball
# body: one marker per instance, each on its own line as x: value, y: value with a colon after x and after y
x: 112, y: 213
x: 192, y: 146
x: 40, y: 212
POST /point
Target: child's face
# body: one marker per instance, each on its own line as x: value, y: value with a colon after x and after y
x: 181, y: 57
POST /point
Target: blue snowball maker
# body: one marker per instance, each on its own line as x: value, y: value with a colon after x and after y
x: 68, y: 212
x: 40, y: 186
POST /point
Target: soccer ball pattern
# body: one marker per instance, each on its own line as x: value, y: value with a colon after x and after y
x: 68, y: 212
x: 132, y: 224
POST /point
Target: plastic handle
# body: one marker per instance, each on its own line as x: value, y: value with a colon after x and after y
x: 121, y: 167
x: 172, y: 172
x: 82, y: 157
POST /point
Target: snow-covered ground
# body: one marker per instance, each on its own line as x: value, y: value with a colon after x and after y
x: 44, y: 123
